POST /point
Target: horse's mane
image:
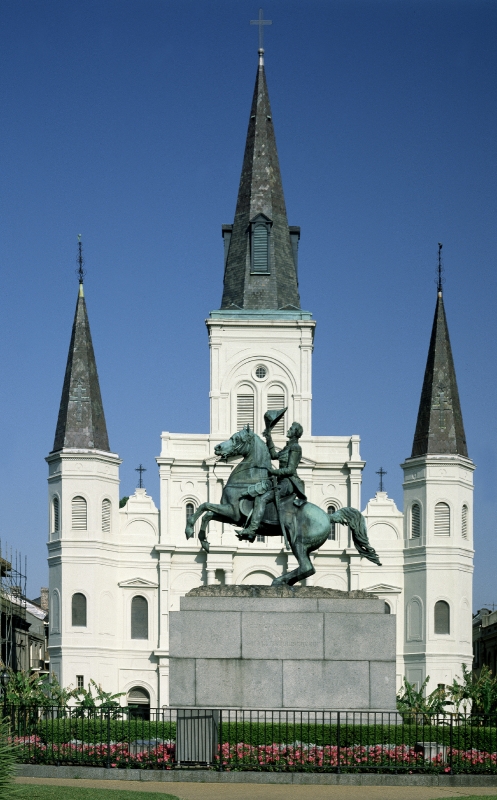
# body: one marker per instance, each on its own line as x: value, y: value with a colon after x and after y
x: 260, y: 454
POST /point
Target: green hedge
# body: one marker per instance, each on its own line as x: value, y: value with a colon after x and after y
x: 93, y: 731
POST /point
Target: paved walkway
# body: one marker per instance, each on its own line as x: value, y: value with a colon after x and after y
x: 250, y: 791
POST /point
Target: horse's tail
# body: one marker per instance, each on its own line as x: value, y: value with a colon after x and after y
x: 357, y: 524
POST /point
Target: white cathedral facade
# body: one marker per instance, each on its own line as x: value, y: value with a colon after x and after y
x: 116, y: 573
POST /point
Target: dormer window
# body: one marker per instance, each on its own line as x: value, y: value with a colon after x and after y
x: 260, y: 230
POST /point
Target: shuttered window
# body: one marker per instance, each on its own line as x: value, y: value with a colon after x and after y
x: 260, y: 248
x: 106, y: 508
x: 139, y: 618
x: 464, y: 522
x: 55, y: 514
x: 415, y: 521
x: 244, y: 411
x: 442, y: 617
x: 275, y: 402
x: 79, y: 513
x: 78, y: 610
x: 442, y: 519
x: 333, y: 532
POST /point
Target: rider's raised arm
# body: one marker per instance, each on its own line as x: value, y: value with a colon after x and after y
x: 270, y: 445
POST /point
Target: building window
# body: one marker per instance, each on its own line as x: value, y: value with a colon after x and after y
x: 333, y: 530
x: 387, y: 609
x: 139, y: 703
x: 55, y: 612
x: 464, y: 522
x: 260, y: 247
x: 442, y: 519
x: 442, y: 617
x: 80, y: 681
x: 261, y: 372
x: 79, y: 514
x: 55, y: 515
x: 78, y: 610
x: 275, y: 402
x: 415, y: 521
x: 244, y: 411
x: 139, y: 618
x: 261, y: 538
x: 106, y: 509
x: 414, y: 620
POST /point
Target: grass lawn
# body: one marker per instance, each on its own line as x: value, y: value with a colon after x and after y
x: 33, y: 792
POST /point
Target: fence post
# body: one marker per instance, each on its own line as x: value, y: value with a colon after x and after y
x: 338, y: 742
x: 221, y: 740
x: 108, y: 739
x: 451, y: 740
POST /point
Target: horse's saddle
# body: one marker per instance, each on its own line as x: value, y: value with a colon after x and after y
x: 288, y: 504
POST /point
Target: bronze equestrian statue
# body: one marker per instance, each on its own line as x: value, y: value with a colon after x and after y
x: 272, y: 502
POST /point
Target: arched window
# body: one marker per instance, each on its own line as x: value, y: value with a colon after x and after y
x: 106, y: 509
x: 333, y: 531
x: 414, y: 620
x: 442, y: 519
x: 387, y: 609
x: 139, y: 703
x: 189, y: 510
x: 79, y: 521
x: 55, y: 612
x: 442, y: 617
x: 415, y: 521
x: 139, y: 618
x: 276, y: 401
x: 260, y: 247
x: 55, y: 515
x: 245, y: 409
x: 464, y: 522
x: 78, y: 610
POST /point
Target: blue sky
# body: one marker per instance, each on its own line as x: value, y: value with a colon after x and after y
x: 125, y: 121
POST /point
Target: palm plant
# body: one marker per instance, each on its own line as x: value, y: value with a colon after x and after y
x: 412, y: 703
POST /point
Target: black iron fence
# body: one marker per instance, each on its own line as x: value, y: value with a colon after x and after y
x: 317, y: 741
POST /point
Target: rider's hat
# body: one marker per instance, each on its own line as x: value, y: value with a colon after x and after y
x: 273, y: 416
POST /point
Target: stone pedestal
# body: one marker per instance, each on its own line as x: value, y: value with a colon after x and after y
x: 260, y: 647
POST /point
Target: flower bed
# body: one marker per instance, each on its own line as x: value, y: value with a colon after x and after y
x: 273, y: 757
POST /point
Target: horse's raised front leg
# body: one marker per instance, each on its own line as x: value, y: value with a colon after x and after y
x: 214, y: 509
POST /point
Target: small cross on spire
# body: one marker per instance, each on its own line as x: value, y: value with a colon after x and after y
x: 381, y: 472
x: 261, y: 22
x: 80, y: 272
x: 440, y: 279
x: 141, y: 470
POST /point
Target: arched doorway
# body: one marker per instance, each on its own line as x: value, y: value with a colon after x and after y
x: 139, y: 703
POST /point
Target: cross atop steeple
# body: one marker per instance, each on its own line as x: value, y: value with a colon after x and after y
x: 261, y: 22
x: 141, y: 470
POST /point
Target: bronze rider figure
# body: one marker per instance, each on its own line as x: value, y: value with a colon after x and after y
x: 288, y: 481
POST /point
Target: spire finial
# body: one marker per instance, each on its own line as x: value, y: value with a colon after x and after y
x: 440, y: 279
x: 381, y: 472
x: 80, y: 272
x: 141, y: 470
x: 261, y: 22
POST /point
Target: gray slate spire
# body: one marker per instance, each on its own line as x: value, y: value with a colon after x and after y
x: 261, y: 192
x: 439, y: 429
x: 81, y: 422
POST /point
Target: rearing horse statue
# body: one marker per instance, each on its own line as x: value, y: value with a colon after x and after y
x: 306, y: 527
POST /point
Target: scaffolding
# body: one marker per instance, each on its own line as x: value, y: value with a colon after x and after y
x: 12, y: 605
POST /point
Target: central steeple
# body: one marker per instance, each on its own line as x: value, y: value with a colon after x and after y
x: 260, y: 248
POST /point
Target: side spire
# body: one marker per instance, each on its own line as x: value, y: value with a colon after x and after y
x: 81, y: 421
x: 260, y: 265
x: 439, y: 427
